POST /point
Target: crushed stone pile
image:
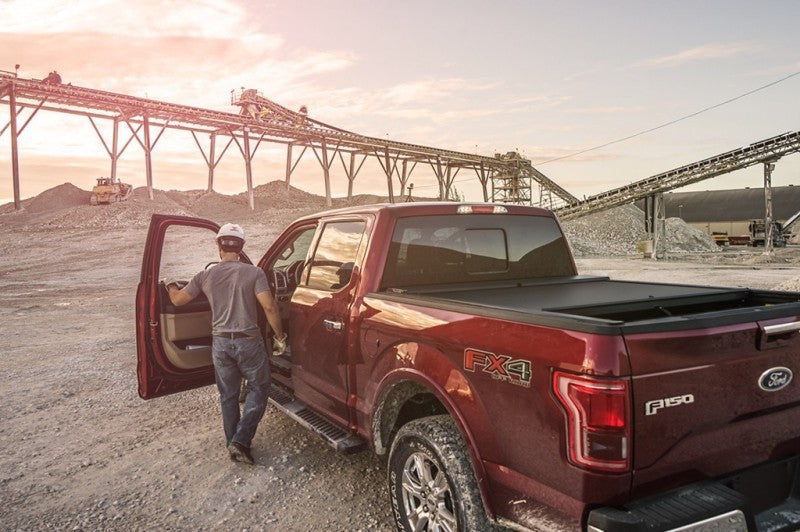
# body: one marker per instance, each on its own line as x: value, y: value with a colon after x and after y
x: 682, y: 237
x: 792, y: 285
x: 612, y: 232
x: 616, y: 232
x: 60, y: 197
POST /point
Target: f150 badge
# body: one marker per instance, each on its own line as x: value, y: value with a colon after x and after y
x: 499, y: 367
x: 775, y: 379
x: 652, y: 407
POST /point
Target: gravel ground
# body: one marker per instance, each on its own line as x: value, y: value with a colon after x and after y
x: 83, y: 452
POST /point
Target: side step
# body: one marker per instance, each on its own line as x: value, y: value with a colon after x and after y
x: 336, y: 437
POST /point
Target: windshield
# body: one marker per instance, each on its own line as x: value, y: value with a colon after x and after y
x: 428, y: 250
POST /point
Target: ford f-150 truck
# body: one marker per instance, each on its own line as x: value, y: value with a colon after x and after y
x: 459, y: 342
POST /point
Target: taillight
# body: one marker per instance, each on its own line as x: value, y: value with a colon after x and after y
x: 481, y: 209
x: 599, y: 420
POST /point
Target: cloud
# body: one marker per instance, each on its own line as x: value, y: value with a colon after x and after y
x: 142, y: 19
x: 701, y: 53
x: 603, y: 110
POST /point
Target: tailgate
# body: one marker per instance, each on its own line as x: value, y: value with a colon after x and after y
x: 711, y: 401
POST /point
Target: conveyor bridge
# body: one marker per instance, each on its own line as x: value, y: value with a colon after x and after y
x: 765, y: 151
x: 509, y: 176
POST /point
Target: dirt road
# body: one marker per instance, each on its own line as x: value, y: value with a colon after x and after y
x: 82, y: 451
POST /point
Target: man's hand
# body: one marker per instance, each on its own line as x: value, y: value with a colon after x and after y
x: 177, y: 295
x: 279, y: 345
x: 171, y: 281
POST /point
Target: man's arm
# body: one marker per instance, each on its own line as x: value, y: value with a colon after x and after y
x: 271, y: 310
x: 178, y: 296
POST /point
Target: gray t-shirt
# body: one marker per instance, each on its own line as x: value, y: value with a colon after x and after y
x: 231, y: 288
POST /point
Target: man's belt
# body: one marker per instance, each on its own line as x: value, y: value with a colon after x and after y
x: 234, y: 335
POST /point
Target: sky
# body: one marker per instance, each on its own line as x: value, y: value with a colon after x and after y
x: 547, y: 79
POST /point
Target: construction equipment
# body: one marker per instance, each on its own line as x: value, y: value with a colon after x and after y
x: 720, y: 238
x: 254, y: 104
x: 758, y: 234
x: 109, y: 190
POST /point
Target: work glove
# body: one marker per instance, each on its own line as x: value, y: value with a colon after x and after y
x: 171, y: 280
x: 279, y: 345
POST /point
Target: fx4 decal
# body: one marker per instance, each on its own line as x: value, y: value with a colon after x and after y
x: 499, y: 367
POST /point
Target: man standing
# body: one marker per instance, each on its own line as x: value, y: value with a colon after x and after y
x: 234, y: 289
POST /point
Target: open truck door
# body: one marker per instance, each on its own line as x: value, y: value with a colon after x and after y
x: 173, y: 344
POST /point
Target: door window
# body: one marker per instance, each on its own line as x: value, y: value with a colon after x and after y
x: 333, y: 261
x: 186, y: 251
x: 297, y: 249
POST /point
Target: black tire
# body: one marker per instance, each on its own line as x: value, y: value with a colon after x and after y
x: 431, y: 482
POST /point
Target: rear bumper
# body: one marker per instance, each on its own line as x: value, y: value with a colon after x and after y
x: 765, y: 497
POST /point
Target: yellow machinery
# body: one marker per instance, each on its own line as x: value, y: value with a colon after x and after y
x: 108, y: 190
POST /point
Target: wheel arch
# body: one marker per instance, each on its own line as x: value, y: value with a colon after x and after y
x: 407, y: 394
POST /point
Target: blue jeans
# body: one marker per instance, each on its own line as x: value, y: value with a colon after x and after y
x: 234, y: 359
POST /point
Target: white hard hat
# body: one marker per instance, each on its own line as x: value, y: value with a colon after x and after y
x: 233, y: 230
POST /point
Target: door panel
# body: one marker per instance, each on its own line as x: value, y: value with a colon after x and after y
x: 173, y: 343
x: 319, y: 319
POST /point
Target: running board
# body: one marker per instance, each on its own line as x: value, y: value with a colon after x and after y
x: 337, y: 438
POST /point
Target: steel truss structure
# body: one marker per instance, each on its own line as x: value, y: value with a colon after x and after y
x: 260, y: 120
x: 765, y: 151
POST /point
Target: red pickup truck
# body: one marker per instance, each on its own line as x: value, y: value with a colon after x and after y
x: 459, y: 342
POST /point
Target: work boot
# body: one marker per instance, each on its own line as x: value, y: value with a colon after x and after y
x: 240, y: 453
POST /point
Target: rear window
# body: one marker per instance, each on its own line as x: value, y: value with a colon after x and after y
x: 428, y: 250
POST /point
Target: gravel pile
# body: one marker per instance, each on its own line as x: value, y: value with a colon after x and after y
x: 612, y: 232
x: 792, y: 285
x: 682, y: 237
x: 616, y: 232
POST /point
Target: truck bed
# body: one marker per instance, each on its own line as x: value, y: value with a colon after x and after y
x: 600, y: 305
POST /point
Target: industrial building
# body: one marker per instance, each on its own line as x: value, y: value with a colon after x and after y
x: 730, y: 211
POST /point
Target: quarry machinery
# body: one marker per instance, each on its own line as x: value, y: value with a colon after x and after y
x: 109, y: 190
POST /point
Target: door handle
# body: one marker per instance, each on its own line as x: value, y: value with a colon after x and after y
x: 333, y: 325
x: 782, y: 328
x: 780, y: 335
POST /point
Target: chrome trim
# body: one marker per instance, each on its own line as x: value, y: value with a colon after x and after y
x: 782, y: 328
x: 730, y: 522
x: 773, y: 370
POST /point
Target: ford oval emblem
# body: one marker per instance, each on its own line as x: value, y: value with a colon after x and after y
x: 775, y: 379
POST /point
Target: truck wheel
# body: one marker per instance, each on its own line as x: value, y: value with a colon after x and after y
x: 431, y: 482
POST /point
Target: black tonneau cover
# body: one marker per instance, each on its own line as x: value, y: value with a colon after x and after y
x: 600, y: 305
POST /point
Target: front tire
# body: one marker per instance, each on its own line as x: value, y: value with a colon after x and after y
x: 431, y: 482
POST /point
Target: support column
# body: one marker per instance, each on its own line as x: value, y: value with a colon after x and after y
x: 12, y: 104
x: 483, y: 179
x: 659, y: 227
x: 248, y: 169
x: 114, y: 149
x: 212, y: 162
x: 403, y: 178
x: 148, y: 162
x: 389, y: 172
x: 447, y: 181
x: 351, y: 176
x: 288, y: 163
x: 326, y: 172
x: 768, y: 229
x: 440, y: 178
